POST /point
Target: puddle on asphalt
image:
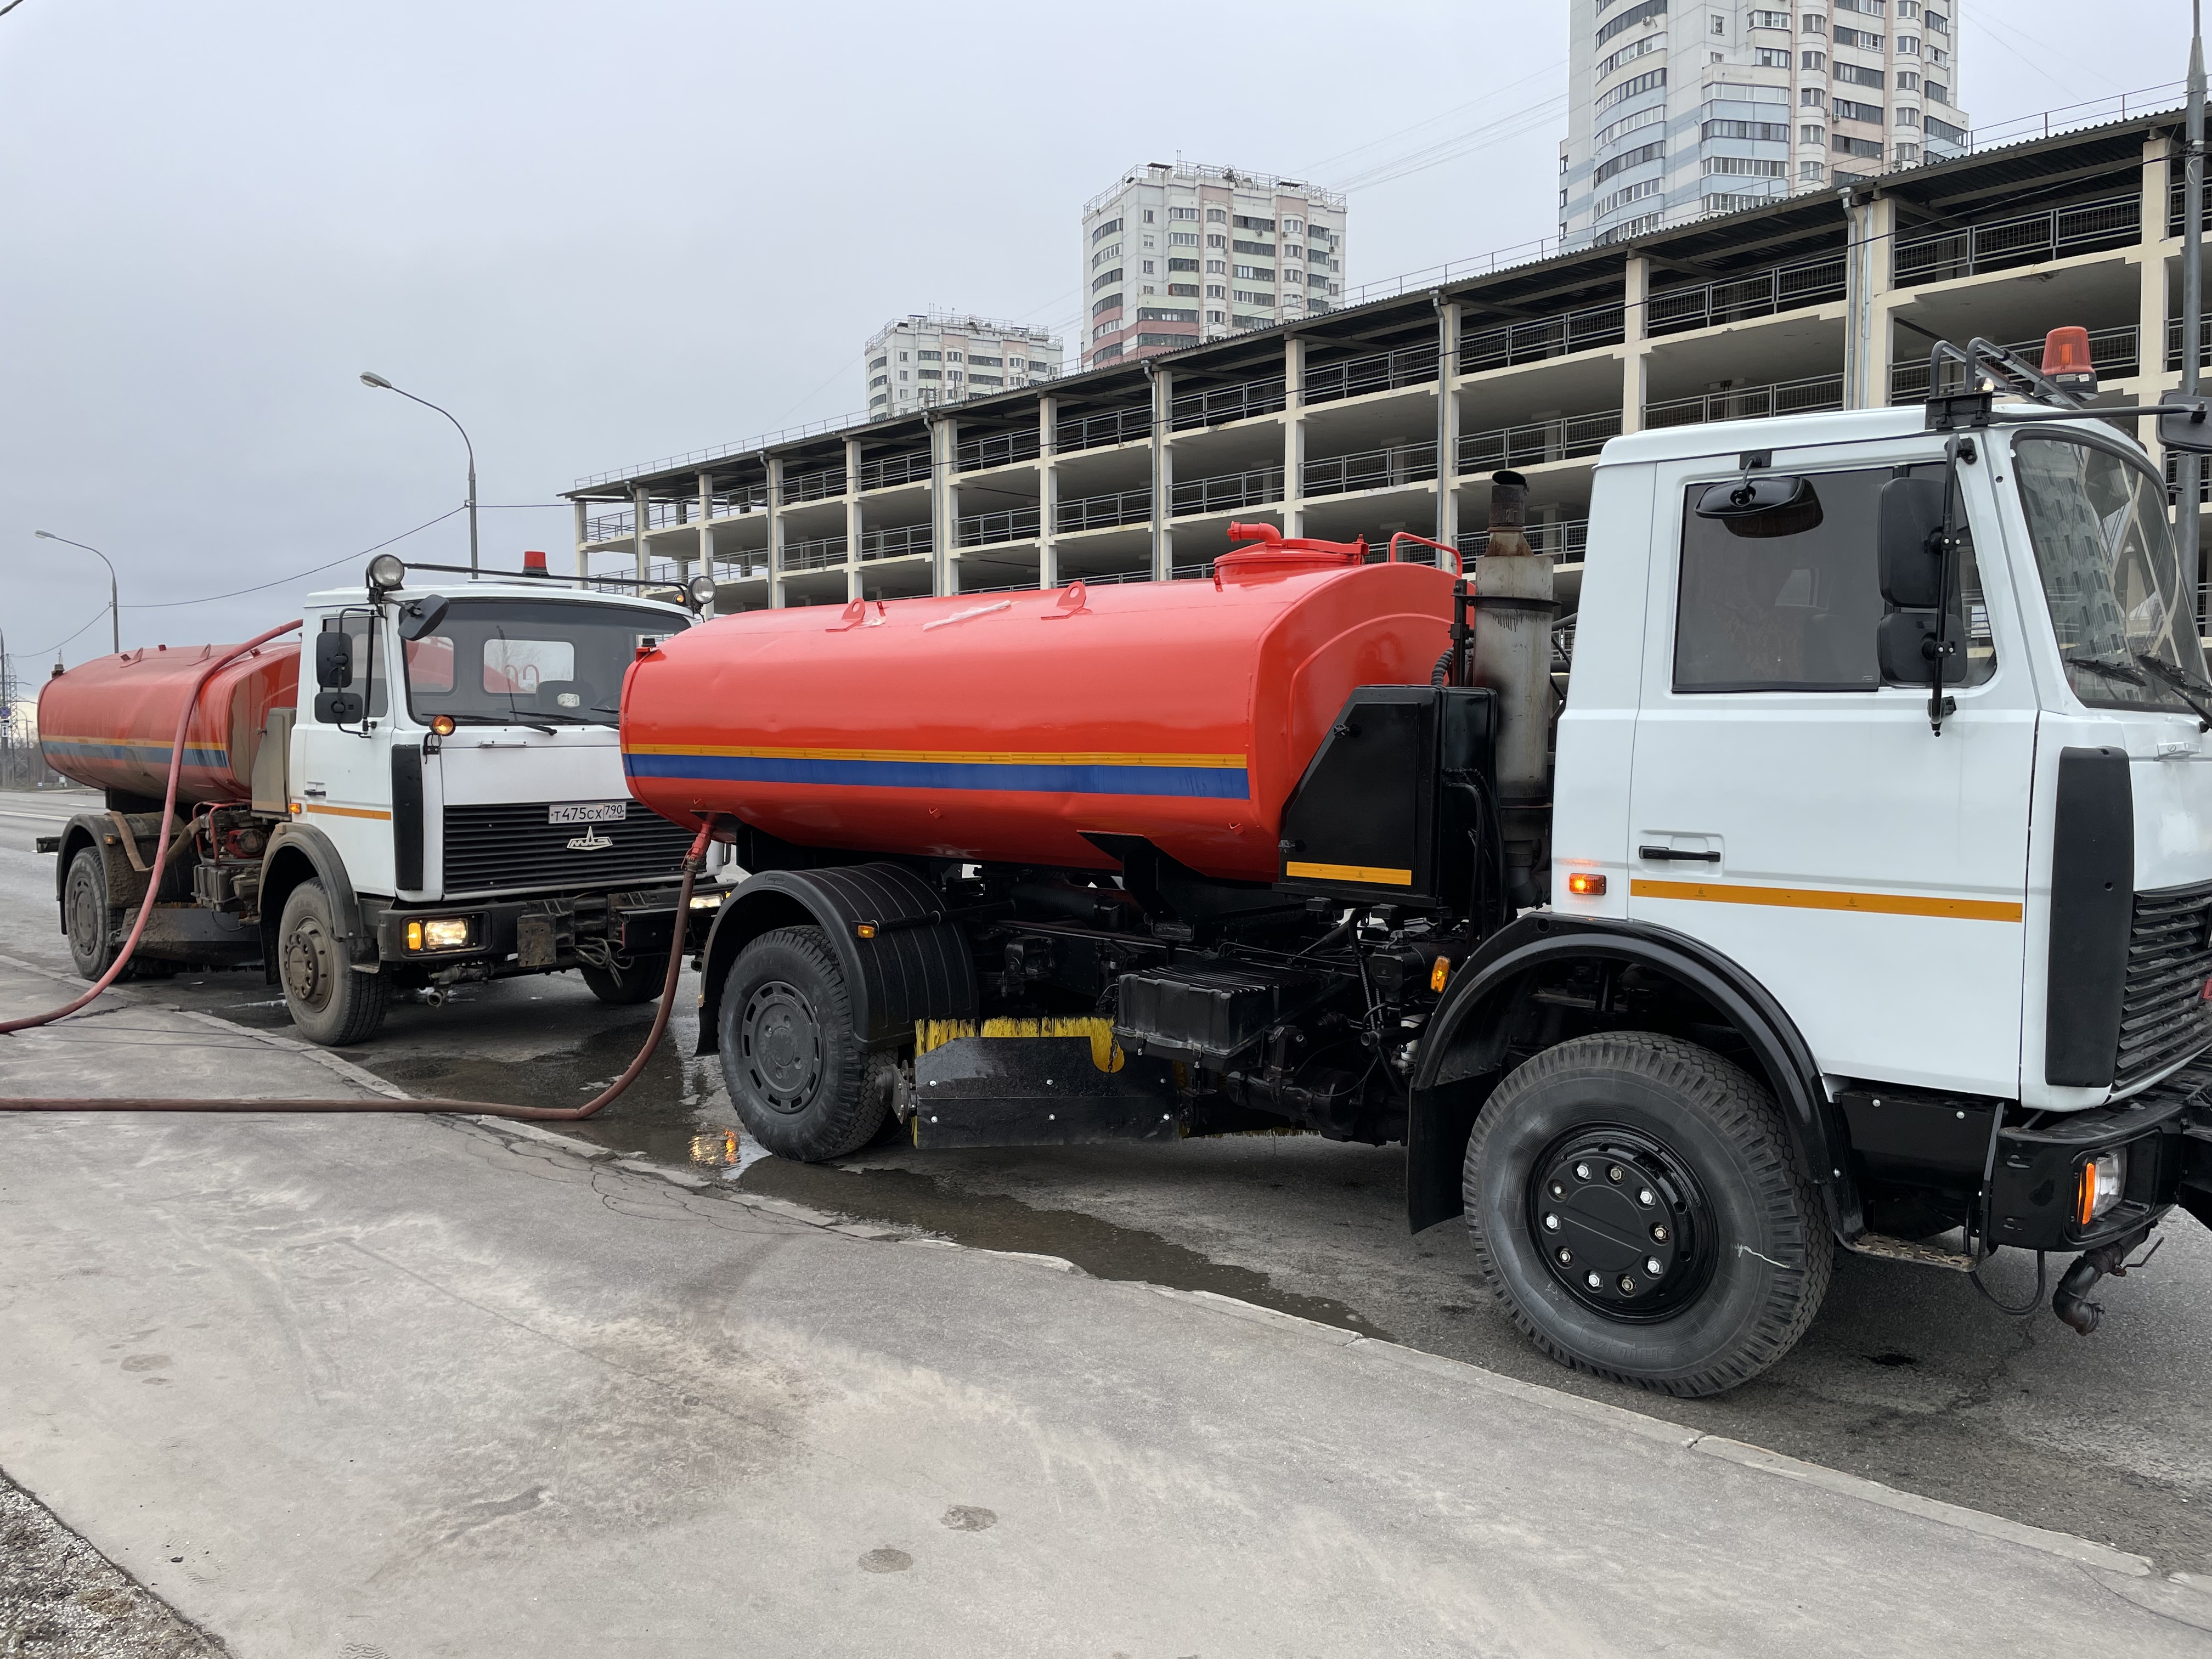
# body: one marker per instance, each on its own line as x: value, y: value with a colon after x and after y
x: 903, y: 1197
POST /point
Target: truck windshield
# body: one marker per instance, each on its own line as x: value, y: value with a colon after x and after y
x: 2126, y: 630
x: 528, y: 660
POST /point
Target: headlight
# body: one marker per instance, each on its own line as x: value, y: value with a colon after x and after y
x: 446, y: 933
x: 2103, y: 1178
x: 702, y: 590
x: 387, y: 571
x: 707, y: 900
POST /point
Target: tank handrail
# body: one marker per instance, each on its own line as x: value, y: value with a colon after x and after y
x: 1459, y: 560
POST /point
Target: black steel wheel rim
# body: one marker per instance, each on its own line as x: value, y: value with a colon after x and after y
x: 309, y: 968
x: 781, y: 1042
x: 1621, y: 1221
x: 88, y: 914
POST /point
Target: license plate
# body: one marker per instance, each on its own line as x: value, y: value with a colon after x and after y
x: 588, y: 812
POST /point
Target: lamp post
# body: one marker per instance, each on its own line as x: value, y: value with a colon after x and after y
x: 383, y: 385
x: 114, y: 608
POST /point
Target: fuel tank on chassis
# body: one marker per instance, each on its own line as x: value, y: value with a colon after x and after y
x: 1004, y: 728
x: 109, y: 723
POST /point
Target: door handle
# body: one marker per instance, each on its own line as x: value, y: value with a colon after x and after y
x: 1676, y: 855
x: 315, y: 789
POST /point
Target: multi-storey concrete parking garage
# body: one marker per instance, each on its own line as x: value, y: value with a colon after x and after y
x: 1392, y: 414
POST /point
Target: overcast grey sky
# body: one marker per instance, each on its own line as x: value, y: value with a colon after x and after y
x: 604, y: 233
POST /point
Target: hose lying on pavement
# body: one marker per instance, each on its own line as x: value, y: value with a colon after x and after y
x: 692, y: 861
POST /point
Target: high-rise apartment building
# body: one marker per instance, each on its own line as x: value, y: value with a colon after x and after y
x: 1174, y: 255
x: 1680, y: 107
x: 941, y: 357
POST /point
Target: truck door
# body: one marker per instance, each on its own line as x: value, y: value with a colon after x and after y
x: 341, y: 775
x: 1799, y: 817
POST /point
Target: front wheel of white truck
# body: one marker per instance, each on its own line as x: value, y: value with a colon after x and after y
x: 1638, y: 1208
x: 331, y: 1002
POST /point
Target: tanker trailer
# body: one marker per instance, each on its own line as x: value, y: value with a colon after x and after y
x: 444, y: 808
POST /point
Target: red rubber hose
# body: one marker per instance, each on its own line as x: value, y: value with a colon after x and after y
x: 692, y: 861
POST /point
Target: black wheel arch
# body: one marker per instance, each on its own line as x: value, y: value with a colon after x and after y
x: 300, y: 852
x: 917, y: 966
x: 1467, y: 1045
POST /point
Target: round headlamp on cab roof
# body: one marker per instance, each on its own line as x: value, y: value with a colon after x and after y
x: 386, y: 571
x: 702, y: 590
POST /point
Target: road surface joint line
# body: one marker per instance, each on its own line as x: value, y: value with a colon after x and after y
x: 2079, y: 1550
x: 2195, y: 1593
x: 2182, y: 1597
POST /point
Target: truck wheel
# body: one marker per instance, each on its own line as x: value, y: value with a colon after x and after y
x: 639, y: 982
x: 90, y: 921
x: 796, y: 1070
x: 330, y: 1003
x: 1637, y: 1206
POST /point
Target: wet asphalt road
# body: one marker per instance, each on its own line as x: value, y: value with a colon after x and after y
x: 1908, y: 1376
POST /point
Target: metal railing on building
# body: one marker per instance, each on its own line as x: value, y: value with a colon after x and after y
x: 1539, y: 441
x: 1105, y: 512
x: 2112, y: 350
x: 1541, y: 338
x: 1015, y: 523
x: 1380, y: 371
x: 1215, y: 405
x: 2173, y: 333
x: 1226, y: 490
x: 1750, y: 402
x: 1110, y: 426
x: 745, y: 567
x: 812, y: 486
x: 818, y: 554
x: 889, y: 470
x: 746, y: 498
x: 1737, y: 299
x: 611, y: 526
x: 1371, y: 469
x: 897, y: 540
x: 997, y: 449
x: 1565, y: 539
x: 2024, y: 239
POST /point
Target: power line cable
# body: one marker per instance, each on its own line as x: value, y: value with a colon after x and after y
x: 348, y: 558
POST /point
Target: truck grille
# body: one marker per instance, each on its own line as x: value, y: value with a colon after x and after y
x: 2163, y: 1015
x: 510, y: 848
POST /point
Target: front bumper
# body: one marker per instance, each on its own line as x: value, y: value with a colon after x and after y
x: 2166, y: 1133
x: 540, y: 935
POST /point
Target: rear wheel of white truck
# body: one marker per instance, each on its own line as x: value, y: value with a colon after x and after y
x: 639, y: 982
x: 796, y: 1069
x: 331, y: 1003
x: 1639, y: 1209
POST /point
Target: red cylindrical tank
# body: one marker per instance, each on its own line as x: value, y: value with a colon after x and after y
x: 109, y: 723
x: 1001, y: 728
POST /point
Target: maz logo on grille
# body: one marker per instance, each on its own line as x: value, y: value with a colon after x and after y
x: 590, y: 842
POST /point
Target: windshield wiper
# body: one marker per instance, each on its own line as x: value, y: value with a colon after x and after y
x: 566, y: 719
x: 2183, y: 685
x: 2112, y: 668
x: 499, y: 720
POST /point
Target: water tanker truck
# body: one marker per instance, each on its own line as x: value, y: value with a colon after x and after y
x: 447, y: 807
x: 1851, y: 888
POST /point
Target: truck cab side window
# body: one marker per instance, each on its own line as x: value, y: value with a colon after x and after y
x: 357, y: 627
x: 1791, y: 601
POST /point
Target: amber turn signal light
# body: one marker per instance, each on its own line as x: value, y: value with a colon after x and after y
x: 1582, y: 885
x: 442, y: 725
x: 1439, y: 974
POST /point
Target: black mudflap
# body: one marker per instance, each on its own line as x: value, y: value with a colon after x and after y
x: 1038, y: 1091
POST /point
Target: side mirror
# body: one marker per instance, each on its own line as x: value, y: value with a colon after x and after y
x: 1905, y: 642
x: 1912, y: 558
x: 420, y: 618
x: 333, y: 660
x: 2189, y: 431
x: 1763, y: 504
x: 338, y: 708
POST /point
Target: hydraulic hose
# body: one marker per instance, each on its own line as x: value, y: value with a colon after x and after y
x: 692, y: 860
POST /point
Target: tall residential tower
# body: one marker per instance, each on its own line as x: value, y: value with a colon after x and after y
x: 940, y: 357
x: 1174, y: 255
x: 1680, y: 107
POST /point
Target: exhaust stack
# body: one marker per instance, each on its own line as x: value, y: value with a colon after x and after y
x: 1515, y: 606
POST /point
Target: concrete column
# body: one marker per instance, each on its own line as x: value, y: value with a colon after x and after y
x: 1048, y: 491
x: 1294, y: 427
x: 639, y: 504
x: 1637, y: 288
x: 774, y: 465
x: 944, y: 505
x: 1447, y: 529
x: 1877, y: 335
x: 583, y: 535
x: 2153, y: 308
x: 706, y: 511
x: 851, y: 518
x: 1162, y: 381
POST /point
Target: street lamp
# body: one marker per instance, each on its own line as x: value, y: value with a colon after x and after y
x: 383, y: 385
x: 114, y: 609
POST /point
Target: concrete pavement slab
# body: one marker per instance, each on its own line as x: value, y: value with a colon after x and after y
x: 425, y: 1387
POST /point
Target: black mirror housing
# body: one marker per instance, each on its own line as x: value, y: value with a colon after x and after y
x: 1763, y: 504
x: 420, y: 619
x: 1911, y: 558
x: 333, y: 660
x: 1903, y: 641
x: 2189, y: 430
x: 338, y: 708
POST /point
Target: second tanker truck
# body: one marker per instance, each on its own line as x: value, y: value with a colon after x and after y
x: 1859, y: 894
x: 444, y: 806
